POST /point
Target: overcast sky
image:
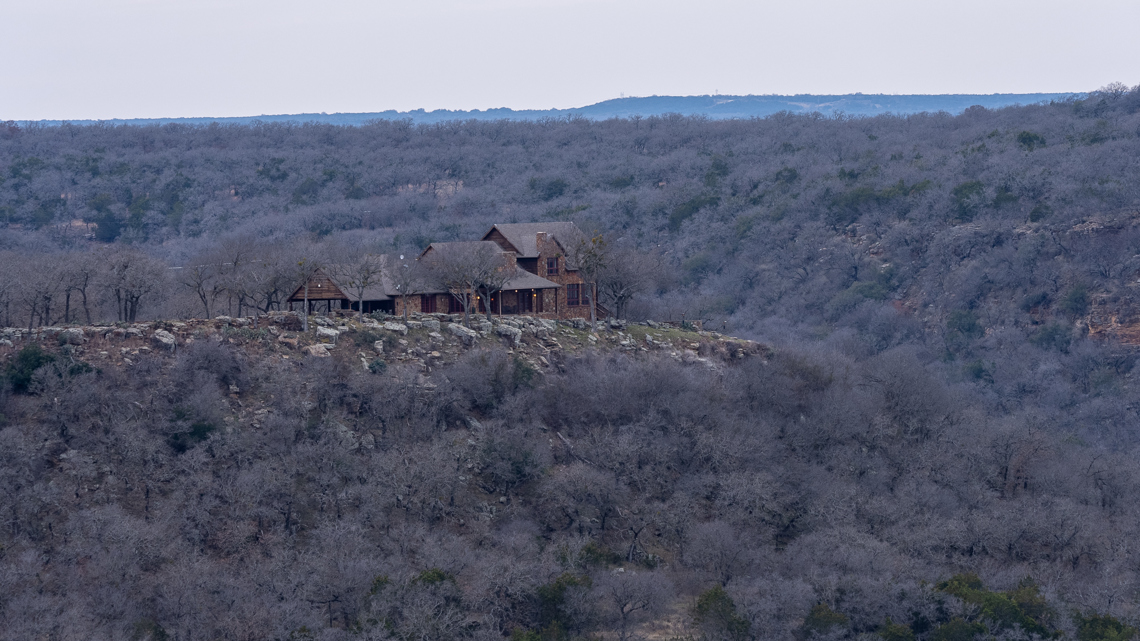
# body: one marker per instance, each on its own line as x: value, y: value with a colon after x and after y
x: 81, y: 59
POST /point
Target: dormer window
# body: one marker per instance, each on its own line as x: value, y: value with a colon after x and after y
x: 552, y: 266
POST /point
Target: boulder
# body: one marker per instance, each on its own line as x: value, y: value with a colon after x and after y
x: 163, y: 338
x: 317, y: 349
x: 399, y: 328
x: 512, y: 333
x: 289, y: 321
x: 414, y: 324
x: 466, y: 335
x: 72, y: 336
x: 431, y: 325
x: 378, y: 347
x: 327, y: 332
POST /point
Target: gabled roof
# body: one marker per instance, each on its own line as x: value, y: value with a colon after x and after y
x: 382, y: 289
x: 526, y: 280
x: 523, y: 236
x: 385, y: 289
x: 521, y: 279
x: 462, y: 244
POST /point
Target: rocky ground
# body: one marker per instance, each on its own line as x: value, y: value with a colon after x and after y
x: 425, y: 341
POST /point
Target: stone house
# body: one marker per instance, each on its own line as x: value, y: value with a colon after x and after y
x: 545, y: 283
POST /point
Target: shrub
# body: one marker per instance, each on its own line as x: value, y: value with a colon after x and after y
x: 506, y: 462
x: 594, y: 554
x: 25, y: 364
x: 1023, y: 607
x: 620, y: 182
x: 689, y: 208
x: 1039, y: 212
x: 1034, y: 301
x: 1030, y: 140
x: 199, y: 431
x: 1075, y: 302
x: 957, y: 630
x: 787, y: 176
x: 1004, y: 197
x: 367, y: 338
x: 432, y: 576
x: 822, y: 619
x: 891, y: 631
x: 964, y: 322
x: 1091, y: 627
x: 716, y: 612
x: 1052, y: 336
x: 555, y: 618
x: 967, y: 199
x: 147, y: 629
x: 547, y: 189
x: 977, y: 371
x: 306, y: 192
x: 218, y: 360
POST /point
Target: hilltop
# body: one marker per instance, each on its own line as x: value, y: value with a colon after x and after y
x: 425, y: 342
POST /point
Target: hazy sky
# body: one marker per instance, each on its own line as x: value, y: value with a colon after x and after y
x: 83, y: 59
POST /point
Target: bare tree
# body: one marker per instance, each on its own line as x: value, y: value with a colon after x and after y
x: 494, y: 272
x: 7, y: 289
x: 131, y: 277
x: 202, y: 278
x: 40, y: 281
x: 467, y: 270
x: 591, y: 256
x: 233, y: 260
x: 270, y: 277
x: 358, y: 273
x: 79, y: 272
x: 627, y: 274
x: 718, y: 549
x: 631, y: 597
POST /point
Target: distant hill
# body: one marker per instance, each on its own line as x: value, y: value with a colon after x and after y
x: 715, y: 107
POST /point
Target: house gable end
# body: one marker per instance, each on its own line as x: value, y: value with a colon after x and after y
x: 321, y: 287
x: 502, y: 241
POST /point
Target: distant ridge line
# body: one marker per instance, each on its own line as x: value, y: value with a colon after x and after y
x: 715, y: 107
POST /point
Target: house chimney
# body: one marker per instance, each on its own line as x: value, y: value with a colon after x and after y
x: 539, y: 239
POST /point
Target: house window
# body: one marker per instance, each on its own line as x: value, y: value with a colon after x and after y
x: 427, y: 303
x: 573, y: 295
x: 552, y: 266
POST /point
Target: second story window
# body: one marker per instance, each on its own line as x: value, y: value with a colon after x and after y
x: 551, y: 266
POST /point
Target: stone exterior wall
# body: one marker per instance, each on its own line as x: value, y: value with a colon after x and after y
x: 555, y: 304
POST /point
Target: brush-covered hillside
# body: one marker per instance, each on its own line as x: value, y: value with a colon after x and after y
x: 917, y: 419
x: 376, y: 479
